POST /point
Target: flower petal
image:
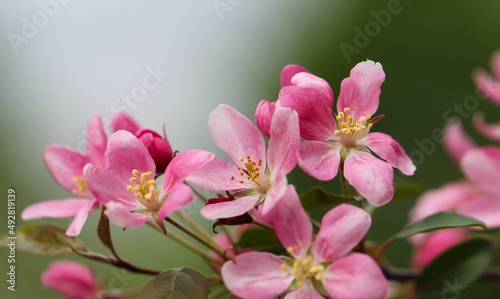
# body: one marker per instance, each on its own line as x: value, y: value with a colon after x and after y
x: 96, y: 140
x: 485, y: 208
x: 284, y: 142
x: 65, y: 164
x: 455, y: 141
x: 76, y: 225
x: 319, y: 159
x: 107, y: 186
x: 446, y: 198
x: 182, y: 166
x: 288, y: 72
x: 362, y: 88
x: 237, y: 135
x: 70, y: 278
x: 54, y: 208
x: 488, y: 86
x: 291, y: 223
x: 482, y: 166
x: 275, y: 194
x: 355, y: 276
x: 315, y: 117
x: 491, y: 131
x: 307, y: 80
x: 122, y: 216
x: 341, y: 229
x: 122, y: 121
x: 216, y: 175
x: 126, y: 152
x: 435, y: 243
x: 229, y: 209
x: 264, y: 115
x: 388, y: 149
x: 306, y: 291
x: 370, y: 176
x: 180, y: 196
x: 256, y: 275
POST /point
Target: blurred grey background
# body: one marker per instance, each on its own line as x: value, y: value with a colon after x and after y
x: 62, y: 61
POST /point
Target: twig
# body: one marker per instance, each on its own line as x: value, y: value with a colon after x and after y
x: 196, y: 237
x: 115, y: 262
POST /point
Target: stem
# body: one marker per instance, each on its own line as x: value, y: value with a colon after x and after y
x: 218, y: 293
x: 381, y: 248
x: 344, y: 185
x: 115, y: 262
x: 196, y: 237
x: 263, y: 225
x: 200, y: 196
x: 231, y: 239
x: 194, y: 225
x: 186, y: 244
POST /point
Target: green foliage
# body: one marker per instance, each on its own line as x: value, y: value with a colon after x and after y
x: 46, y: 239
x: 180, y: 283
x: 260, y: 239
x: 437, y: 221
x: 453, y: 271
x: 316, y: 199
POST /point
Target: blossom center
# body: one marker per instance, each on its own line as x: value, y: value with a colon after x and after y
x: 81, y: 184
x: 251, y: 175
x: 350, y: 128
x: 304, y: 268
x: 143, y: 188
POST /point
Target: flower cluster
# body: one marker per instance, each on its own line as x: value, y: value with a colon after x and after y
x: 135, y: 178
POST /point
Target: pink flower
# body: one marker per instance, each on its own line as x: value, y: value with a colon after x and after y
x: 71, y: 279
x: 66, y: 166
x: 437, y: 243
x: 299, y: 77
x: 490, y: 85
x: 158, y: 148
x: 343, y: 140
x: 477, y: 197
x: 320, y: 262
x: 122, y: 121
x: 126, y: 187
x: 254, y: 181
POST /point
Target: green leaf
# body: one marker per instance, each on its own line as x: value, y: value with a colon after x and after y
x: 453, y: 271
x: 437, y: 221
x: 46, y: 239
x: 404, y: 190
x: 316, y: 198
x: 180, y: 283
x: 260, y: 239
x: 103, y: 230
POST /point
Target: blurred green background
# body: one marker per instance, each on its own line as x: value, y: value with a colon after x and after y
x: 87, y: 55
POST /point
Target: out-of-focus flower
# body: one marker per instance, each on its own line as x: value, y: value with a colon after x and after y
x: 317, y: 266
x: 122, y: 121
x: 490, y: 85
x: 71, y: 279
x: 126, y: 187
x: 477, y: 197
x: 259, y: 177
x: 158, y: 148
x: 342, y: 140
x: 66, y: 166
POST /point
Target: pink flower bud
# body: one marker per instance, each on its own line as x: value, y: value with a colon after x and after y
x: 158, y: 148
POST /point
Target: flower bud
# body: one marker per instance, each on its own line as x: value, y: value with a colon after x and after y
x: 158, y: 148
